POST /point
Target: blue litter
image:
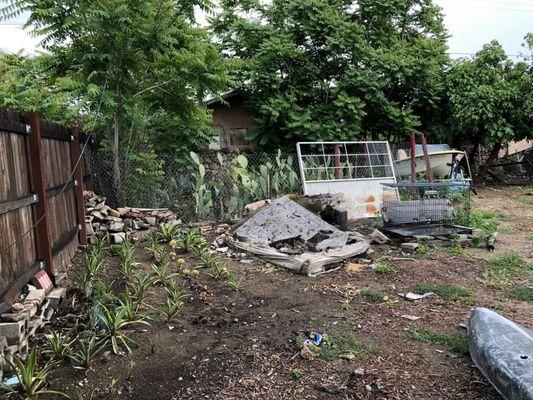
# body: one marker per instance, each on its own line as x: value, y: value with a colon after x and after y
x: 316, y: 339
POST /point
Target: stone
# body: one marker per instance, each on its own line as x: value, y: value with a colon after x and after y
x: 123, y: 210
x: 116, y: 226
x: 128, y: 222
x: 410, y: 246
x: 117, y: 238
x: 379, y: 237
x: 98, y: 216
x: 114, y: 219
x: 151, y: 220
x: 89, y: 228
x: 114, y: 213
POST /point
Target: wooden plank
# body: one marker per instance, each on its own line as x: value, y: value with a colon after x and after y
x: 65, y: 240
x: 54, y: 191
x: 38, y: 185
x: 7, y: 206
x: 12, y: 290
x: 76, y: 160
x: 50, y: 130
x: 12, y: 122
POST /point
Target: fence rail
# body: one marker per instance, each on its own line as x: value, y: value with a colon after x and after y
x: 41, y: 199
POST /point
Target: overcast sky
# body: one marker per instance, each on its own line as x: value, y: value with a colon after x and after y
x: 470, y: 23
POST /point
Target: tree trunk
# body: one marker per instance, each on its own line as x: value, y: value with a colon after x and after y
x: 116, y: 156
x: 483, y: 168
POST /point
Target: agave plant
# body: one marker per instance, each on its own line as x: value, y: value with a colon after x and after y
x: 126, y: 251
x: 171, y: 308
x: 32, y: 379
x: 131, y: 306
x: 175, y: 292
x: 161, y: 255
x: 167, y: 232
x: 114, y: 322
x: 128, y: 270
x: 140, y: 287
x: 161, y: 274
x: 208, y: 259
x: 219, y: 270
x: 192, y: 240
x: 87, y: 353
x: 235, y: 283
x: 59, y: 345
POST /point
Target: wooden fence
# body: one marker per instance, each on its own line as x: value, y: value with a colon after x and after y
x: 42, y: 218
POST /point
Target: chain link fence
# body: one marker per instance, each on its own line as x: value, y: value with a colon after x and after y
x: 199, y: 187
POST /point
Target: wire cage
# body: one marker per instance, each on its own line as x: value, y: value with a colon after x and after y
x: 426, y: 208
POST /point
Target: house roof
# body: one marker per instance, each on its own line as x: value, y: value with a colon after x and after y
x: 223, y: 97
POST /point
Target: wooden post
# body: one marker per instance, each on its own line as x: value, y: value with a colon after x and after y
x: 38, y: 184
x: 75, y: 160
x: 429, y: 173
x: 413, y: 157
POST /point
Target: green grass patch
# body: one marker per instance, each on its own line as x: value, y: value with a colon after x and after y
x: 344, y: 344
x: 373, y: 295
x: 447, y: 292
x: 521, y: 293
x: 384, y: 269
x: 457, y: 342
x: 504, y: 268
x: 525, y: 200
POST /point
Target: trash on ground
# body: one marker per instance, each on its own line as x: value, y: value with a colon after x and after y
x: 503, y: 351
x: 287, y: 234
x: 414, y: 296
x: 314, y: 339
x: 492, y: 241
x: 356, y: 267
x: 411, y: 317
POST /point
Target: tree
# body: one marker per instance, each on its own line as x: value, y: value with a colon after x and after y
x: 132, y: 62
x: 490, y: 100
x: 336, y: 69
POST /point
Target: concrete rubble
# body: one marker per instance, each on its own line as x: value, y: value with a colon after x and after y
x: 287, y: 234
x: 24, y: 320
x: 101, y: 219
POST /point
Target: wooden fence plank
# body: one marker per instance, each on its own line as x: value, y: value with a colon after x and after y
x: 42, y: 228
x: 7, y: 206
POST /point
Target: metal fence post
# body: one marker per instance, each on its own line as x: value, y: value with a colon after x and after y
x: 38, y: 183
x: 75, y: 160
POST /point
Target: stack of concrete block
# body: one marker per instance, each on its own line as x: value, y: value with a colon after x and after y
x: 103, y: 220
x: 24, y: 321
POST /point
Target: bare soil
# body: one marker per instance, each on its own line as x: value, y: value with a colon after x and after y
x: 243, y: 345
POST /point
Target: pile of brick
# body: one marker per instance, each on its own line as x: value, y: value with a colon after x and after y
x: 103, y: 220
x: 23, y: 321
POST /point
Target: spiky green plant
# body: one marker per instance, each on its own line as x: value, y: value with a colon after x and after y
x: 175, y: 291
x: 235, y: 283
x: 208, y: 259
x: 161, y: 274
x: 126, y: 250
x: 161, y: 255
x: 167, y: 232
x: 86, y: 353
x: 59, y: 344
x: 140, y: 287
x: 219, y: 270
x: 89, y: 396
x: 84, y: 282
x: 128, y: 270
x: 192, y: 240
x: 131, y: 306
x: 114, y: 322
x: 171, y: 308
x: 32, y: 379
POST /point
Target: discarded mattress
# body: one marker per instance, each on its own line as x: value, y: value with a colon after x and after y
x: 287, y: 234
x: 503, y: 352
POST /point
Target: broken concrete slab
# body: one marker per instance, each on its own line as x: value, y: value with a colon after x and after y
x: 287, y: 234
x: 410, y: 246
x: 379, y: 237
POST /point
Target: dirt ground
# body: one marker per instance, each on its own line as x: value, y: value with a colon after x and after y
x: 244, y: 345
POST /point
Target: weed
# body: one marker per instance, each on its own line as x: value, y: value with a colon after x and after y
x: 297, y: 374
x: 422, y: 249
x: 84, y: 282
x: 167, y: 232
x: 235, y: 283
x: 383, y: 269
x: 101, y: 293
x: 151, y: 342
x: 161, y: 274
x: 505, y: 267
x: 192, y: 240
x: 373, y: 295
x: 219, y: 270
x: 345, y: 306
x: 113, y: 322
x: 456, y: 249
x: 525, y: 200
x: 447, y: 292
x: 59, y: 345
x: 458, y: 342
x: 90, y: 396
x: 344, y: 344
x: 521, y: 293
x: 129, y: 369
x: 171, y: 308
x: 161, y: 255
x: 482, y: 219
x: 87, y: 353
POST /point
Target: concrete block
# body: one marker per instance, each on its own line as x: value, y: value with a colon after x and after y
x: 151, y: 220
x: 13, y: 331
x: 117, y: 238
x: 56, y: 296
x: 410, y: 246
x: 42, y: 281
x: 116, y: 226
x: 35, y: 296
